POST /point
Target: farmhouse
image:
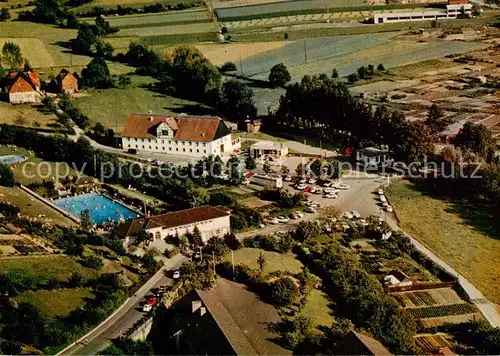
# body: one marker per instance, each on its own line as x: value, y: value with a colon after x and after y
x: 66, y: 82
x: 228, y: 319
x: 268, y: 150
x: 453, y: 10
x: 210, y: 220
x: 24, y: 87
x: 179, y: 135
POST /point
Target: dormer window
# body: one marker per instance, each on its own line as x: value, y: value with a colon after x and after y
x: 164, y: 132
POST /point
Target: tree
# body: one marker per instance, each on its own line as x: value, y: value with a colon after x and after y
x: 99, y: 129
x: 104, y: 49
x: 27, y: 66
x: 284, y: 170
x: 86, y: 220
x: 353, y: 77
x: 97, y: 74
x: 71, y: 20
x: 279, y: 75
x: 196, y: 236
x: 363, y: 72
x: 93, y: 262
x: 149, y: 263
x: 317, y: 167
x: 371, y: 69
x: 6, y: 176
x: 300, y: 170
x: 124, y: 81
x: 85, y: 39
x: 250, y: 163
x: 12, y: 58
x: 335, y: 73
x: 283, y: 291
x: 237, y: 101
x: 476, y: 138
x: 266, y: 167
x: 49, y: 107
x: 228, y: 67
x: 476, y: 9
x: 48, y: 11
x: 234, y: 169
x: 261, y: 261
x: 4, y: 14
x: 435, y: 121
x: 307, y: 230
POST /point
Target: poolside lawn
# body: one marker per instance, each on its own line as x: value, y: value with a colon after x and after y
x: 30, y: 206
x: 55, y: 303
x: 274, y: 261
x: 448, y: 231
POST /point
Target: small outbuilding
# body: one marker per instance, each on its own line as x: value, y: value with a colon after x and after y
x: 372, y: 157
x: 66, y: 82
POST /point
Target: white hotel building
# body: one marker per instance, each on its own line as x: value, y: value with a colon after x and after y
x: 451, y: 11
x: 178, y: 135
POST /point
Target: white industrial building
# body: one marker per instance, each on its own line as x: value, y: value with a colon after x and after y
x: 451, y: 11
x: 180, y: 135
x: 268, y: 150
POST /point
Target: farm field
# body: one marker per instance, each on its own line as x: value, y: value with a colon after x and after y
x: 55, y: 303
x: 107, y: 4
x: 167, y: 30
x: 30, y: 206
x: 274, y: 261
x: 442, y: 310
x: 285, y: 7
x: 219, y: 54
x: 432, y: 297
x: 27, y: 116
x: 461, y: 235
x: 431, y: 343
x: 42, y: 268
x: 347, y: 53
x: 111, y: 107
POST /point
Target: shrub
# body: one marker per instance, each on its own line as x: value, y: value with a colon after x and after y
x: 6, y: 176
x: 283, y: 291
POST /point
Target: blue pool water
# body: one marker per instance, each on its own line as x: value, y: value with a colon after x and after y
x: 12, y: 159
x: 102, y: 209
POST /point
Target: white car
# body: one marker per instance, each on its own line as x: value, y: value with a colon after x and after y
x: 303, y: 181
x: 385, y: 204
x: 274, y: 221
x: 330, y: 190
x: 301, y: 186
x: 343, y: 186
x: 383, y: 199
x: 310, y: 210
x: 389, y: 209
x: 311, y: 180
x: 299, y: 214
x: 283, y: 219
x: 362, y: 222
x: 317, y: 191
x: 287, y: 178
x: 327, y: 228
x: 380, y: 192
x: 347, y: 215
x: 330, y: 196
x: 355, y: 214
x: 147, y: 308
x: 176, y: 275
x: 327, y: 184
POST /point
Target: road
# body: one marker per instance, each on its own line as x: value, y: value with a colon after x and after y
x: 125, y: 316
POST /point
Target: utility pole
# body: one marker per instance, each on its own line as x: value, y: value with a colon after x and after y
x: 232, y: 259
x: 241, y: 68
x: 305, y: 51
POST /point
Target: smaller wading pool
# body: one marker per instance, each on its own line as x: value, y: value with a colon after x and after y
x: 12, y: 159
x: 101, y: 208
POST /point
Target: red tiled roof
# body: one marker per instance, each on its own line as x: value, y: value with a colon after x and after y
x: 173, y: 219
x: 186, y: 128
x: 21, y: 85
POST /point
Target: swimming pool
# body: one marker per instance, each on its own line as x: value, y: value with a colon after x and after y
x: 101, y: 208
x: 11, y: 159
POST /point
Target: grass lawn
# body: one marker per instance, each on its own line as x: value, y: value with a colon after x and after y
x: 30, y: 206
x: 125, y: 3
x: 42, y: 268
x: 27, y: 116
x: 260, y: 136
x: 437, y: 224
x: 35, y: 169
x: 54, y: 303
x: 317, y: 308
x: 111, y: 107
x: 274, y: 261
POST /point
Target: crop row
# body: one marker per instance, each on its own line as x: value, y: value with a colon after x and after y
x: 442, y: 310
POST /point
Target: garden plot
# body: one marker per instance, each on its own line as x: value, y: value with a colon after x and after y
x: 442, y: 311
x: 451, y: 319
x: 431, y: 343
x: 291, y: 7
x: 432, y: 297
x: 17, y: 244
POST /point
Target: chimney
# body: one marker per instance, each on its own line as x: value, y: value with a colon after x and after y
x: 195, y: 305
x: 203, y: 310
x: 150, y: 112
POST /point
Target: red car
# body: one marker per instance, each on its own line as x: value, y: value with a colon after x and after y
x: 152, y: 301
x: 308, y: 189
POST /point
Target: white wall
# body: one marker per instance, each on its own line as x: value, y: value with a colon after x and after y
x: 184, y: 148
x: 208, y: 229
x: 29, y: 97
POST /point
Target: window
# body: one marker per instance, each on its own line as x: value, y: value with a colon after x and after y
x: 197, y: 151
x: 170, y: 148
x: 164, y: 132
x: 217, y: 231
x: 156, y: 148
x: 136, y: 146
x: 163, y: 148
x: 204, y: 144
x: 204, y: 151
x: 162, y: 142
x: 177, y: 149
x: 169, y: 142
x: 143, y: 146
x: 183, y: 150
x: 190, y: 143
x: 183, y: 143
x: 149, y: 147
x: 190, y: 150
x: 149, y: 140
x: 197, y: 143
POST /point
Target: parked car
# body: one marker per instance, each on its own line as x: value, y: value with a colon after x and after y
x: 197, y: 255
x: 294, y: 216
x: 307, y: 189
x: 287, y: 178
x: 362, y: 222
x: 389, y: 209
x: 343, y: 186
x: 327, y: 228
x: 355, y: 214
x: 301, y: 186
x: 274, y: 221
x: 303, y: 181
x: 330, y: 196
x: 383, y: 199
x: 310, y: 209
x: 327, y: 184
x: 283, y: 219
x: 176, y: 275
x: 380, y: 192
x: 311, y: 180
x: 261, y: 226
x: 147, y: 308
x: 330, y: 190
x: 385, y: 204
x: 347, y: 215
x: 299, y: 214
